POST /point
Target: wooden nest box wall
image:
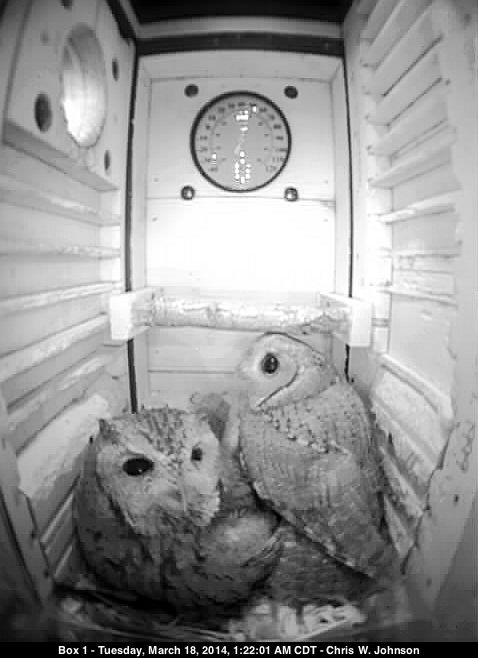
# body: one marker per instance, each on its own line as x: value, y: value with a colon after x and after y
x: 128, y: 278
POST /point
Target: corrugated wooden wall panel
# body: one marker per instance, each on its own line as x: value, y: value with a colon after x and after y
x: 414, y: 143
x: 60, y: 259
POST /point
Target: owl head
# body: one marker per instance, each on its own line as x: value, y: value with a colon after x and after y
x: 279, y: 368
x: 159, y: 465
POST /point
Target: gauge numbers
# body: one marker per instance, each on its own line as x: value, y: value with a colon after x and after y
x: 240, y: 141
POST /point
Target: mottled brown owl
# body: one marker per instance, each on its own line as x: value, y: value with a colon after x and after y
x: 306, y: 444
x: 157, y: 513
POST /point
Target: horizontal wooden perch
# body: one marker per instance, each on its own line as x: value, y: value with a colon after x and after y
x: 134, y: 312
x: 178, y: 312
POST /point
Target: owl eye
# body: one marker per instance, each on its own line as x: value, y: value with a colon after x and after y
x: 270, y: 364
x: 196, y: 454
x: 137, y: 466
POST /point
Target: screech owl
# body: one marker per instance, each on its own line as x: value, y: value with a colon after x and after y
x: 306, y: 443
x: 156, y: 513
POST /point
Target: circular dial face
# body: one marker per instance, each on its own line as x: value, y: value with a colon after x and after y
x: 240, y: 141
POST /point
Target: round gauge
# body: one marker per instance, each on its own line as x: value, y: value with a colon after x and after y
x: 240, y: 141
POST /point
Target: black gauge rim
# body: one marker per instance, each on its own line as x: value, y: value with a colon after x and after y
x: 206, y: 109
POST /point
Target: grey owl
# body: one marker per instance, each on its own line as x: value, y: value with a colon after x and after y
x: 306, y: 443
x: 157, y: 513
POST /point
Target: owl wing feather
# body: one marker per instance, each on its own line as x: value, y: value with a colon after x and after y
x: 312, y: 460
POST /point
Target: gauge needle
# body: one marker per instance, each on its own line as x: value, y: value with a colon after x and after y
x: 242, y: 139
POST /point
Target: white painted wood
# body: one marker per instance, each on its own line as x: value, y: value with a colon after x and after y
x: 32, y: 412
x: 412, y: 45
x: 411, y: 453
x: 247, y: 244
x: 24, y: 195
x: 356, y: 326
x: 25, y: 303
x: 23, y: 383
x: 49, y: 465
x: 23, y: 329
x: 17, y: 247
x: 28, y: 357
x: 140, y: 156
x: 19, y: 514
x: 428, y: 112
x: 25, y: 275
x: 172, y: 114
x: 59, y: 533
x: 424, y: 74
x: 433, y: 153
x: 176, y: 388
x: 194, y: 349
x: 180, y: 27
x: 376, y: 20
x: 453, y: 487
x: 436, y: 182
x: 131, y: 313
x: 399, y: 22
x: 38, y: 71
x: 427, y: 207
x: 420, y: 339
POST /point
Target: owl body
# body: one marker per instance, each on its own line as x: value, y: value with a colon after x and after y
x: 154, y: 515
x: 306, y: 444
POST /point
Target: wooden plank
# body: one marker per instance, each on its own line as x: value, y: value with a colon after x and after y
x: 131, y: 313
x: 24, y: 195
x: 255, y: 64
x: 419, y: 339
x: 175, y: 389
x: 377, y: 18
x: 433, y: 153
x: 26, y: 275
x: 406, y: 377
x: 19, y: 515
x: 428, y: 112
x: 399, y: 22
x: 28, y: 357
x: 30, y: 414
x: 22, y: 384
x: 411, y: 453
x: 430, y: 232
x: 430, y: 184
x: 428, y: 207
x: 354, y: 317
x: 209, y: 313
x: 23, y: 303
x: 424, y: 74
x: 199, y: 350
x: 59, y: 533
x: 23, y: 329
x: 412, y: 45
x: 49, y: 465
x: 12, y: 247
x: 453, y: 487
x: 171, y: 166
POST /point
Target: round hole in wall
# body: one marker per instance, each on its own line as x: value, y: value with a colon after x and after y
x: 107, y: 162
x: 43, y: 113
x: 67, y: 3
x: 291, y: 92
x: 191, y: 90
x: 456, y: 499
x: 83, y: 78
x: 115, y: 68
